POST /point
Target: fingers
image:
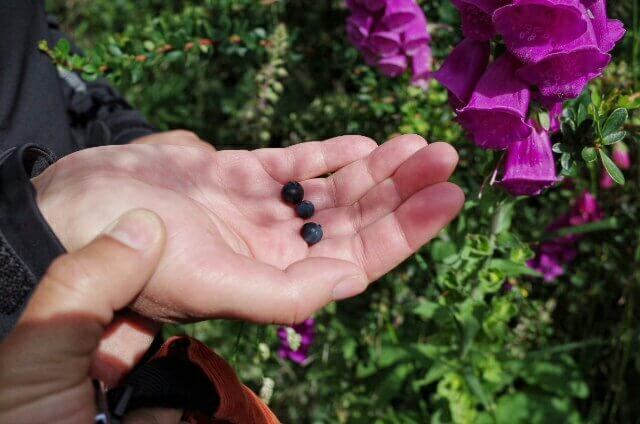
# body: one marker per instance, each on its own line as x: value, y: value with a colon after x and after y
x: 125, y: 341
x: 382, y: 245
x: 104, y: 276
x: 430, y: 165
x: 387, y: 242
x: 153, y: 416
x: 175, y: 138
x: 352, y: 182
x: 312, y: 159
x: 261, y: 293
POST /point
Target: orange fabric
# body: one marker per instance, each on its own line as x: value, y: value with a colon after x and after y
x: 238, y: 404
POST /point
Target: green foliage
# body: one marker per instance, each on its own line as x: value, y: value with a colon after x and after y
x: 462, y: 332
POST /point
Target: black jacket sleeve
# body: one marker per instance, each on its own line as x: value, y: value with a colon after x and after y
x: 59, y: 113
x: 27, y: 244
x: 98, y: 114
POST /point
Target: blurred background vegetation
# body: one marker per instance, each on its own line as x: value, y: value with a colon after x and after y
x: 462, y: 332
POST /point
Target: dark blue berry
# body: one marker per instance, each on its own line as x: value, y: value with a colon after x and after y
x: 311, y: 233
x: 292, y: 192
x: 305, y: 209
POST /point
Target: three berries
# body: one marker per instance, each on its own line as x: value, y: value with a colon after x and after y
x: 293, y: 193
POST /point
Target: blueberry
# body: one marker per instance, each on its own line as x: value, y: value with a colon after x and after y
x: 311, y: 233
x: 305, y: 209
x: 293, y: 193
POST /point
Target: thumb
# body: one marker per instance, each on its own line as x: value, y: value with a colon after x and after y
x: 104, y: 276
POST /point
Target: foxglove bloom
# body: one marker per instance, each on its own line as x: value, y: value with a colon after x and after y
x: 551, y: 256
x: 564, y: 74
x: 476, y: 23
x: 398, y: 14
x: 547, y: 264
x: 530, y: 167
x: 621, y: 156
x: 416, y: 36
x: 296, y: 341
x: 606, y: 182
x: 421, y: 66
x: 385, y: 42
x: 496, y: 113
x: 393, y: 66
x: 534, y: 28
x: 392, y: 35
x: 608, y: 31
x: 462, y: 70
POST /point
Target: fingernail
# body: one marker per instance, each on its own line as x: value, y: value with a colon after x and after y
x: 138, y: 229
x: 349, y: 288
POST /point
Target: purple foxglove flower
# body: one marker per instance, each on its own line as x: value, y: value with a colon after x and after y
x: 369, y: 56
x: 588, y: 3
x: 462, y: 70
x: 495, y: 115
x: 608, y: 31
x: 530, y: 167
x: 564, y: 74
x: 421, y: 66
x: 416, y: 33
x: 621, y: 156
x: 551, y: 255
x: 547, y: 265
x: 476, y: 23
x: 374, y: 5
x: 534, y: 28
x: 398, y: 14
x: 296, y: 341
x: 358, y: 26
x: 393, y: 66
x: 585, y: 210
x: 488, y: 6
x: 606, y: 182
x: 385, y: 43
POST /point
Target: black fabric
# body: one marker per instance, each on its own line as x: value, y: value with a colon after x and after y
x: 27, y: 244
x: 32, y: 108
x: 42, y: 106
x: 54, y: 109
x: 169, y: 382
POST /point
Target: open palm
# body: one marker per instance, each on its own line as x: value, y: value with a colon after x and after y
x: 234, y: 248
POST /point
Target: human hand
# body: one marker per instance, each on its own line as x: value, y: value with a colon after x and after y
x: 45, y: 363
x: 234, y: 248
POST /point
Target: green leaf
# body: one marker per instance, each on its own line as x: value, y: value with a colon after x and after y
x: 613, y: 138
x: 589, y: 154
x: 476, y: 388
x: 595, y: 97
x: 615, y: 121
x: 63, y: 47
x: 612, y: 169
x: 426, y: 309
x: 513, y: 269
x: 543, y: 118
x: 532, y: 408
x: 582, y: 114
x: 503, y: 217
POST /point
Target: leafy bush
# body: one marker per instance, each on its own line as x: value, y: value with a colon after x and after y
x: 462, y: 332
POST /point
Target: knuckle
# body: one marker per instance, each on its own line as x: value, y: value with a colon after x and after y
x: 186, y: 135
x: 296, y: 312
x: 67, y: 272
x: 367, y: 143
x: 71, y: 273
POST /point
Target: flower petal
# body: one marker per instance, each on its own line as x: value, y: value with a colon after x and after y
x: 463, y: 68
x: 529, y: 166
x: 534, y: 28
x: 495, y: 115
